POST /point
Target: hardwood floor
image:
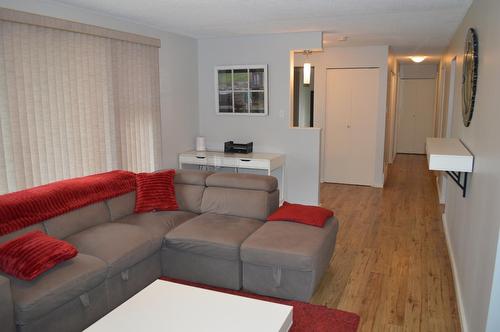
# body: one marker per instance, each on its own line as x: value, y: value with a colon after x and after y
x: 391, y: 263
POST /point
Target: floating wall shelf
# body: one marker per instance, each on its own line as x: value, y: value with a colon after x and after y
x: 451, y: 156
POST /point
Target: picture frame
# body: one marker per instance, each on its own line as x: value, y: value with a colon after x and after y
x: 241, y: 90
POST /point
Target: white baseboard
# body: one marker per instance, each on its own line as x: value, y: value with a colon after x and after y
x: 458, y: 292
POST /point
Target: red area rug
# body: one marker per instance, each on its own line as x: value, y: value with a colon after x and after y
x: 306, y: 317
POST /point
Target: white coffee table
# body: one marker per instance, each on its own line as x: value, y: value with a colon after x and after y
x: 172, y: 307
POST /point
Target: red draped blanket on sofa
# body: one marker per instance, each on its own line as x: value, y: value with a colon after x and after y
x: 27, y: 207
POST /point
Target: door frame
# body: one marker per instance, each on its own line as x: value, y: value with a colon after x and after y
x: 440, y: 111
x: 390, y: 119
x: 449, y: 122
x: 451, y: 97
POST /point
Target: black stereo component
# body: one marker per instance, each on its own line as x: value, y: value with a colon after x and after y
x: 232, y: 147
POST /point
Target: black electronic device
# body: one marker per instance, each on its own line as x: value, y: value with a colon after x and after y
x: 231, y: 147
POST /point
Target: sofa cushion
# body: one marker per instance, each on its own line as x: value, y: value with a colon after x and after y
x: 289, y: 244
x: 36, y: 227
x: 157, y: 223
x: 243, y: 181
x: 61, y: 284
x: 32, y: 254
x: 214, y: 235
x: 255, y: 204
x: 77, y: 220
x: 119, y: 245
x: 190, y: 176
x: 189, y: 197
x: 121, y: 206
x: 6, y: 305
x: 155, y: 192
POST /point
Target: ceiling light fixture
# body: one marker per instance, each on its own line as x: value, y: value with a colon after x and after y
x: 417, y: 59
x: 307, y: 69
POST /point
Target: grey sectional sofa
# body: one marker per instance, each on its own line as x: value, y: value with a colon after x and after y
x: 217, y: 237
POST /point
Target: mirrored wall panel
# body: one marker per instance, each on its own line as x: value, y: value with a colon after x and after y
x: 303, y: 99
x: 241, y: 90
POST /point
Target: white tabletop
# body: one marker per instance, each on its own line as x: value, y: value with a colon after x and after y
x: 172, y: 307
x: 252, y: 155
x: 448, y: 154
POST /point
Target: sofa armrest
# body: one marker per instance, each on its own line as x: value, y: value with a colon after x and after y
x: 6, y: 306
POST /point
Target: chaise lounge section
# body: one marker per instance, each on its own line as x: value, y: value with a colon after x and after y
x: 218, y: 237
x: 287, y: 260
x: 207, y: 248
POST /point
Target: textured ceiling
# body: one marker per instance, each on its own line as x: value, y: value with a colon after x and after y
x: 409, y: 26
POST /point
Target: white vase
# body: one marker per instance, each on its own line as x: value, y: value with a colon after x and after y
x: 200, y: 144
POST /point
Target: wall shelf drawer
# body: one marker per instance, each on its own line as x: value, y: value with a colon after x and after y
x: 194, y: 160
x: 253, y: 163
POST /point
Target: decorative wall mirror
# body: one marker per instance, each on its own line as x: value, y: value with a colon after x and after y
x: 469, y: 76
x: 303, y: 98
x: 241, y: 90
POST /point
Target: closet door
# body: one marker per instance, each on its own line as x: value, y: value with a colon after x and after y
x: 416, y: 114
x: 350, y: 126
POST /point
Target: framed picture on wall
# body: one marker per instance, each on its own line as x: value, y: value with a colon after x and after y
x: 241, y: 90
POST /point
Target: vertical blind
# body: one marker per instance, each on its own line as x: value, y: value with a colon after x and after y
x: 73, y: 104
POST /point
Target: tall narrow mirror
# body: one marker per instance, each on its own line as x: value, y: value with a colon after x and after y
x: 303, y: 98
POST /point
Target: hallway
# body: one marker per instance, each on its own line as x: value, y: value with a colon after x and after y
x: 391, y: 263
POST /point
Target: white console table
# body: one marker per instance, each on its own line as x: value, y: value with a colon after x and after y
x: 451, y: 156
x: 259, y: 161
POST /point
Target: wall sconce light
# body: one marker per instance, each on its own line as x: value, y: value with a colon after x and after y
x: 307, y: 73
x: 307, y: 69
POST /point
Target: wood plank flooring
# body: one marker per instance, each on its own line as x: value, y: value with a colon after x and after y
x: 391, y: 263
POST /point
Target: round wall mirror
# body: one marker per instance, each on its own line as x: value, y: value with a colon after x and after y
x: 469, y: 76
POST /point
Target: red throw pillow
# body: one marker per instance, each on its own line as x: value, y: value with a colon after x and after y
x: 155, y: 192
x: 304, y: 214
x: 33, y: 253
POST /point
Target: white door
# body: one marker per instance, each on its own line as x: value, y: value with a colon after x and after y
x: 351, y: 125
x: 417, y: 100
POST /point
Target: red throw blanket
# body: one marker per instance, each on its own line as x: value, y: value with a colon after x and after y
x: 27, y: 207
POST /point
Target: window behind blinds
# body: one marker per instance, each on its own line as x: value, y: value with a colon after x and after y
x: 73, y: 104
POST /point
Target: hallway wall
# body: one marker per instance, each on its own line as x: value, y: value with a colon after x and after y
x: 472, y: 223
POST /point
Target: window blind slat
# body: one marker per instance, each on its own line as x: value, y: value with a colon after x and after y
x: 74, y: 104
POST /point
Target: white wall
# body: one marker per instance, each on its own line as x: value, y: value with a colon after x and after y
x: 269, y: 133
x: 418, y: 70
x: 178, y: 71
x: 440, y: 121
x: 347, y: 57
x: 473, y: 223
